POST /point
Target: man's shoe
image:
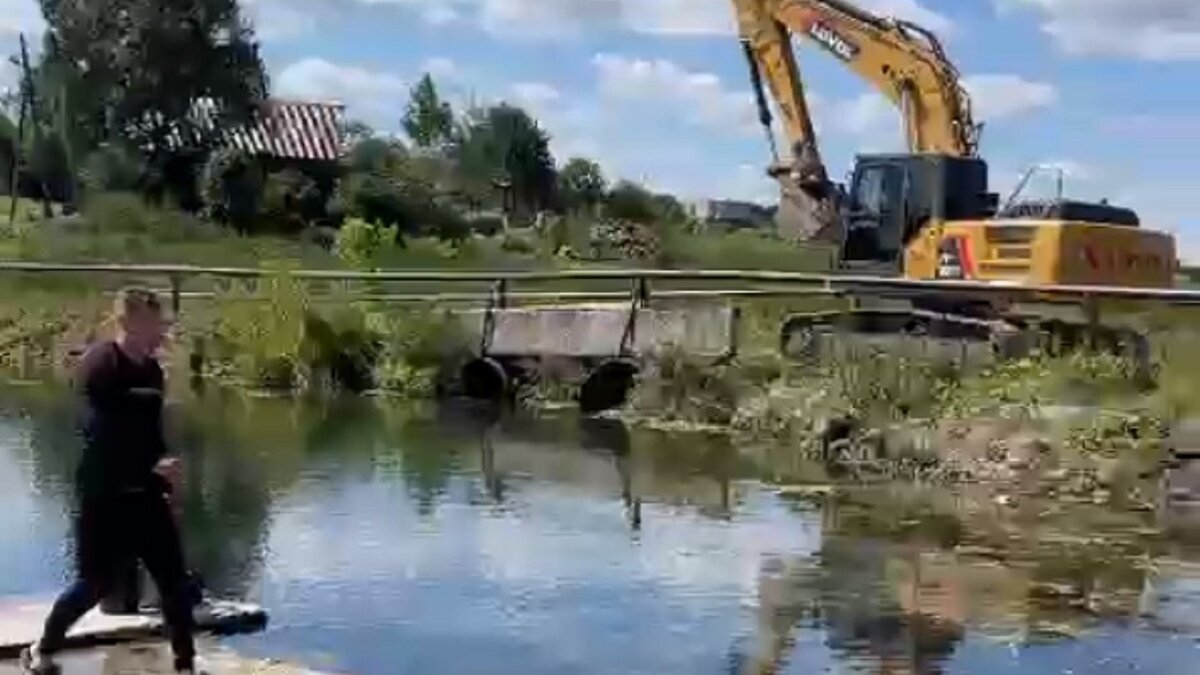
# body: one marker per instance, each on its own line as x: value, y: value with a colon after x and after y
x: 193, y: 669
x: 34, y: 662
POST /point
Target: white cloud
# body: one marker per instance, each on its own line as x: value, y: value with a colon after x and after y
x: 1071, y: 169
x: 1153, y: 30
x: 701, y: 98
x: 21, y: 15
x: 998, y: 97
x: 552, y: 19
x: 540, y: 19
x: 679, y: 17
x: 871, y: 119
x: 561, y: 18
x: 1175, y: 127
x: 440, y: 15
x: 878, y: 126
x: 911, y: 10
x: 279, y: 19
x: 9, y: 77
x: 442, y: 67
x: 535, y: 94
x: 375, y: 97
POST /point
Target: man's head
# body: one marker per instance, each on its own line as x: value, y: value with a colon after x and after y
x: 140, y: 317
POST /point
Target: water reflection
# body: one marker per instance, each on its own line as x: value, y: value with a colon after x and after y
x: 385, y: 538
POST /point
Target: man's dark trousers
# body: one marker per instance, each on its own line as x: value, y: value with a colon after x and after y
x: 112, y: 533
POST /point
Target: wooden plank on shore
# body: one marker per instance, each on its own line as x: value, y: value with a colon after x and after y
x: 21, y: 621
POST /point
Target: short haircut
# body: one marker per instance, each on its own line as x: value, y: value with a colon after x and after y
x: 134, y: 300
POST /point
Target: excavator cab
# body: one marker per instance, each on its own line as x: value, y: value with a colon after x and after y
x: 893, y: 197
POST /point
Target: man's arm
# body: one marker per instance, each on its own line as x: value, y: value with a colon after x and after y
x: 167, y: 468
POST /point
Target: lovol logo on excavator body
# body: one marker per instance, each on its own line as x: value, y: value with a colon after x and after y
x: 1110, y: 259
x: 827, y: 37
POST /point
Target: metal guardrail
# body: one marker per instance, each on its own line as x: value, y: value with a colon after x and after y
x: 801, y: 283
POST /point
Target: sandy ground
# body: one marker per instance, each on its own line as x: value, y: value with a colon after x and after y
x: 153, y: 658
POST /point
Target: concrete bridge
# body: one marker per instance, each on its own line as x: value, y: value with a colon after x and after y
x: 609, y: 335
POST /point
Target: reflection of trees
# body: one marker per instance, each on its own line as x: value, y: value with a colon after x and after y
x: 226, y: 497
x: 845, y: 592
x: 902, y: 573
x: 53, y: 441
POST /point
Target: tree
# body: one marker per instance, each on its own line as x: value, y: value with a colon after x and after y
x: 428, y: 120
x: 630, y: 201
x: 374, y: 155
x: 357, y: 131
x: 503, y: 143
x: 581, y: 184
x: 137, y: 69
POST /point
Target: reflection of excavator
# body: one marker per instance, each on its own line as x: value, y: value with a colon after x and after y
x: 927, y: 214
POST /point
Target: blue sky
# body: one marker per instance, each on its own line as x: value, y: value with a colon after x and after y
x: 656, y: 90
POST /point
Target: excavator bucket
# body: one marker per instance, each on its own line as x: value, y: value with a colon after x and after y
x: 806, y: 217
x: 809, y: 203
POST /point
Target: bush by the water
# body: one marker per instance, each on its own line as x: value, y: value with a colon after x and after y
x: 276, y: 337
x: 360, y: 243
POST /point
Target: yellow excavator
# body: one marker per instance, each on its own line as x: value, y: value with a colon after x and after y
x: 927, y: 214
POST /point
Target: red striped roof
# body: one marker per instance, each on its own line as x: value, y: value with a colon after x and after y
x: 285, y: 129
x: 294, y: 130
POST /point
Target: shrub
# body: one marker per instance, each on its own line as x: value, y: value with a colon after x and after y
x: 377, y: 199
x: 624, y: 239
x: 260, y: 338
x: 421, y: 350
x: 110, y: 169
x: 232, y: 189
x: 406, y: 200
x: 340, y: 351
x: 486, y: 225
x: 128, y: 213
x: 292, y: 201
x: 359, y: 243
x: 446, y: 223
x: 516, y: 242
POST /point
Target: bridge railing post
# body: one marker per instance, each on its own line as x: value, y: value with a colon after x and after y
x: 176, y: 295
x: 1091, y: 313
x: 500, y: 288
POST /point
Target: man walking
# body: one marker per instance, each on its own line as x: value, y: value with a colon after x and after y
x: 122, y: 486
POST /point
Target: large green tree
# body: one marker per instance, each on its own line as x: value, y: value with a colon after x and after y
x: 134, y: 69
x: 501, y: 145
x: 630, y: 201
x: 581, y: 184
x: 428, y: 120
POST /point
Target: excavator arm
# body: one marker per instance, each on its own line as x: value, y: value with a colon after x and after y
x: 903, y: 61
x: 808, y: 207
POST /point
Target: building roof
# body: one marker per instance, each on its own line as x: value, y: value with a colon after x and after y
x: 294, y: 130
x: 285, y: 129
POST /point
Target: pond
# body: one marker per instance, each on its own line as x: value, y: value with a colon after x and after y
x: 387, y: 539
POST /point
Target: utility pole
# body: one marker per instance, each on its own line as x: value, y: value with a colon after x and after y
x: 27, y: 77
x: 15, y: 161
x: 26, y: 106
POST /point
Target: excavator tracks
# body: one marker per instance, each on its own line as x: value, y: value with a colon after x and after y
x: 965, y: 342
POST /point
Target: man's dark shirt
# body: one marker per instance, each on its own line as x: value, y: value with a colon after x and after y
x: 122, y: 423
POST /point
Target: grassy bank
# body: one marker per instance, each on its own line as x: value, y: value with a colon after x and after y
x: 280, y: 335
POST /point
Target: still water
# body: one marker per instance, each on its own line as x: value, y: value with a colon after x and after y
x: 384, y: 539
